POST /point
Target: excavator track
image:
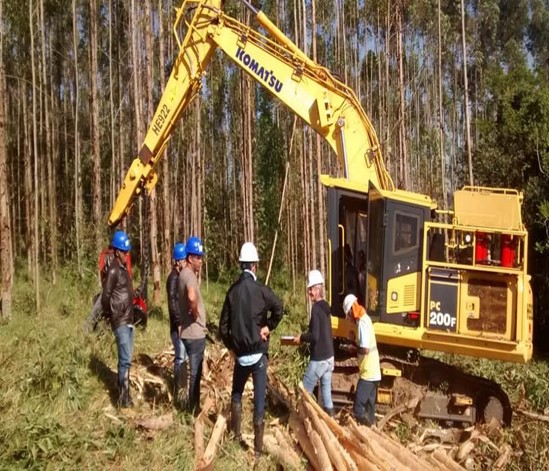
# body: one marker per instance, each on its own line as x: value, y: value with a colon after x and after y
x: 430, y: 388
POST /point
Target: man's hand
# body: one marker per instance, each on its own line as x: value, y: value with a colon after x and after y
x: 297, y: 340
x: 264, y: 333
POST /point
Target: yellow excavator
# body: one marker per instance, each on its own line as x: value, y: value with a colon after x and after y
x: 453, y: 281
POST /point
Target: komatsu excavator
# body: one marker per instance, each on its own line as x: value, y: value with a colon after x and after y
x: 456, y: 287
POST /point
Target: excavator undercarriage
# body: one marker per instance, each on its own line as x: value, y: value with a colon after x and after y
x: 424, y: 386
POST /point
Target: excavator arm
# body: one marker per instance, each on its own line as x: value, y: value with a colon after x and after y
x: 308, y: 89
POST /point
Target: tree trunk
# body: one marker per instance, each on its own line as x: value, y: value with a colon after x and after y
x: 402, y: 115
x: 166, y: 205
x: 77, y: 164
x: 94, y: 131
x: 153, y: 215
x: 34, y: 216
x: 466, y: 96
x: 441, y: 115
x: 50, y: 196
x: 6, y: 255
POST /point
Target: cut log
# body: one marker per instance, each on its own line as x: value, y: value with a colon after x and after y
x: 324, y: 462
x: 209, y: 454
x: 298, y: 428
x: 286, y: 446
x: 374, y: 451
x: 328, y: 438
x: 285, y: 456
x: 448, y: 462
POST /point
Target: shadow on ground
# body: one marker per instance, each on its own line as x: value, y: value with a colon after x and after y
x: 106, y: 375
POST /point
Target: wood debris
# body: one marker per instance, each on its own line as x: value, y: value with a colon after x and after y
x: 156, y: 423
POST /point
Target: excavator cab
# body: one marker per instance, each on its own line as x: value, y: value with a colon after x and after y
x: 376, y: 253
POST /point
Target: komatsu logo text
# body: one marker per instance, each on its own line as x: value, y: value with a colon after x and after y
x: 266, y: 75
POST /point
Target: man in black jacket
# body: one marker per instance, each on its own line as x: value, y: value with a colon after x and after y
x: 117, y: 304
x: 180, y: 360
x: 319, y: 336
x: 244, y: 328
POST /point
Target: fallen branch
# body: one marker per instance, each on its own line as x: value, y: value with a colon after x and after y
x: 410, y: 405
x: 219, y: 428
x: 198, y: 441
x: 503, y: 459
x: 534, y: 415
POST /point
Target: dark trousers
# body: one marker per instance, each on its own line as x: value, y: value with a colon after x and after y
x: 365, y: 402
x: 259, y: 377
x: 195, y: 351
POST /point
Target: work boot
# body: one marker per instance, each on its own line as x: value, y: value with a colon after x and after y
x: 236, y: 419
x: 124, y: 398
x: 330, y: 411
x: 259, y: 428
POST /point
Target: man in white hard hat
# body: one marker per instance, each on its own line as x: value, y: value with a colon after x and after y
x: 244, y: 328
x: 319, y: 336
x: 368, y: 361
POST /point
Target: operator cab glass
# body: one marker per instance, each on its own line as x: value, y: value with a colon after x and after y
x: 376, y: 245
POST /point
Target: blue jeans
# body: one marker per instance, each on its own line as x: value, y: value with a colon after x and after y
x: 180, y: 352
x: 364, y: 408
x: 195, y: 350
x: 259, y: 376
x: 320, y: 370
x: 124, y: 344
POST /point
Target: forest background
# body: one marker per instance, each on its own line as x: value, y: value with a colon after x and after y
x: 458, y: 92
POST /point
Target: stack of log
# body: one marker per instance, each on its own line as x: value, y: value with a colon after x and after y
x: 306, y: 434
x: 329, y: 445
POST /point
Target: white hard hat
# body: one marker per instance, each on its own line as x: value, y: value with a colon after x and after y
x: 348, y: 303
x: 248, y: 253
x: 315, y: 278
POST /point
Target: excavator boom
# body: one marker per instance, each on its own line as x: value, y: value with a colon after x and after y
x: 308, y: 89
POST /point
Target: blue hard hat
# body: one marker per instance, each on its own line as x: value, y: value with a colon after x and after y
x: 121, y: 241
x: 194, y: 246
x: 179, y: 252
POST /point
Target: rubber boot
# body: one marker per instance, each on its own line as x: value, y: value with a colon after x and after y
x: 330, y: 412
x: 259, y: 428
x: 177, y: 386
x: 236, y: 419
x: 124, y: 398
x: 180, y: 385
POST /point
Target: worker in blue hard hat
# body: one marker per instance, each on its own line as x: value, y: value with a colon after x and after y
x: 117, y: 304
x: 180, y: 360
x: 193, y: 317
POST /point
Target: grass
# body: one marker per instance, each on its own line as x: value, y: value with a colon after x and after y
x: 56, y: 394
x: 56, y: 398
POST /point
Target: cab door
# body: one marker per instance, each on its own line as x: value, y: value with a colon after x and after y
x: 348, y: 239
x: 395, y: 243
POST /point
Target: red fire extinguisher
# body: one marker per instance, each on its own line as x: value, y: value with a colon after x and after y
x: 508, y: 248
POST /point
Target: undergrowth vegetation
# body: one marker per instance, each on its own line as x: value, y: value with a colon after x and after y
x: 59, y: 386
